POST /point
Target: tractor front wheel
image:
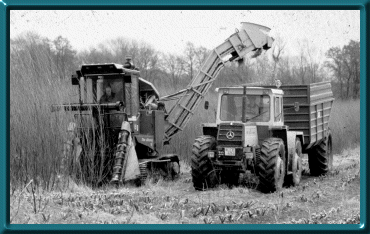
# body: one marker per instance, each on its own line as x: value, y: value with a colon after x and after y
x: 271, y: 168
x: 202, y: 171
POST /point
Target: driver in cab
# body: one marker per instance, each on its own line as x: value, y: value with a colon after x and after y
x: 252, y: 105
x: 108, y: 95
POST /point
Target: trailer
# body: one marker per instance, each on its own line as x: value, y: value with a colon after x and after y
x: 314, y: 102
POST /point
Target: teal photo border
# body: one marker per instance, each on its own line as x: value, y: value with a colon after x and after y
x: 7, y: 5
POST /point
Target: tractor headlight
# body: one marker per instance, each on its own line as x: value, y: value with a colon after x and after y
x: 211, y: 154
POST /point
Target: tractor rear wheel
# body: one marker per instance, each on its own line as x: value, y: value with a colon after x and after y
x: 271, y: 168
x: 320, y: 157
x: 202, y: 171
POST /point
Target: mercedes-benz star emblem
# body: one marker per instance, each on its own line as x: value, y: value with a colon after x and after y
x: 230, y: 135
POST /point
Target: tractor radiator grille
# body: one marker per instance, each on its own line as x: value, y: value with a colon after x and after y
x: 230, y: 135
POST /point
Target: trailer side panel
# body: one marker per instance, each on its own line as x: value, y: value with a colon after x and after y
x: 315, y: 102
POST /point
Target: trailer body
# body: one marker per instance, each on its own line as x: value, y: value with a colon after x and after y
x: 315, y: 102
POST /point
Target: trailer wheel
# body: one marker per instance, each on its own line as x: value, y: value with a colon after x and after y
x: 202, y: 171
x: 297, y: 164
x: 175, y: 170
x: 320, y: 157
x: 271, y: 169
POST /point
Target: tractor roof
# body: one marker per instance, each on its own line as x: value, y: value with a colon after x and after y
x: 239, y: 89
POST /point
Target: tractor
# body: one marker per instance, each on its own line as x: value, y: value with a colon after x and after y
x: 265, y: 130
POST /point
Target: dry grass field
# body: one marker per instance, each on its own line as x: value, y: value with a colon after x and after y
x: 39, y: 195
x: 334, y: 198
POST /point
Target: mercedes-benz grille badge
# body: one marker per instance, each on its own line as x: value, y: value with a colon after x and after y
x: 230, y: 135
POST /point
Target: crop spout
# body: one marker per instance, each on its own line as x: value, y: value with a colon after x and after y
x: 258, y: 34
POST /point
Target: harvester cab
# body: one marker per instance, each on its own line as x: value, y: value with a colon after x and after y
x: 119, y: 126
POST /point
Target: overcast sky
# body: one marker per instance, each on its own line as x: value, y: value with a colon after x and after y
x: 168, y: 31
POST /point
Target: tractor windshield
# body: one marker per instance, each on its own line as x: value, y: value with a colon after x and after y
x: 257, y: 108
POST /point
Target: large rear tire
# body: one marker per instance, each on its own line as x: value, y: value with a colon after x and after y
x: 202, y: 171
x: 320, y: 157
x: 271, y: 169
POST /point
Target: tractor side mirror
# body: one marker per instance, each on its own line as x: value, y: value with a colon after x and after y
x: 206, y: 105
x: 296, y: 106
x: 75, y: 80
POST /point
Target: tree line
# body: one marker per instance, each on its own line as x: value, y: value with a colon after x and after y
x: 57, y: 59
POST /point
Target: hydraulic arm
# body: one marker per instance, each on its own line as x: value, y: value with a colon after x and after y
x: 250, y: 38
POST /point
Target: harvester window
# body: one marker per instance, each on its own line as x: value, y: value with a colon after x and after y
x: 112, y: 91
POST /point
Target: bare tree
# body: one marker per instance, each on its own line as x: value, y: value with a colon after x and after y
x: 175, y: 66
x: 277, y: 51
x: 64, y: 57
x: 312, y: 63
x: 302, y: 63
x: 190, y: 59
x: 345, y: 64
x: 201, y: 54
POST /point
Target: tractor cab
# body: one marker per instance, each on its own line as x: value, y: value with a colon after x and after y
x: 259, y: 106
